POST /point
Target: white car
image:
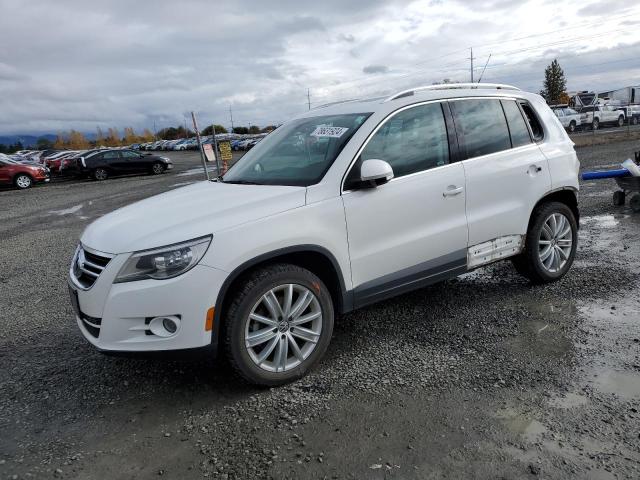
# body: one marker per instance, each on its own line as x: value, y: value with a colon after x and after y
x: 341, y: 207
x: 569, y: 118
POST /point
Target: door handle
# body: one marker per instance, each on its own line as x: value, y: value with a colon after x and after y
x: 533, y: 169
x: 452, y: 191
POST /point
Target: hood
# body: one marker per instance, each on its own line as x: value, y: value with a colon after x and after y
x: 188, y: 212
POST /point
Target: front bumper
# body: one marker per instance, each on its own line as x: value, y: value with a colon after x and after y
x: 116, y: 317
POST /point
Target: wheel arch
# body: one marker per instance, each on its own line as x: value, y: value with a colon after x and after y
x: 568, y: 196
x: 16, y: 175
x: 314, y: 258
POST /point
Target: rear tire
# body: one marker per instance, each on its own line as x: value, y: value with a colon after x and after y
x: 550, y: 244
x: 634, y: 120
x: 22, y: 181
x: 595, y: 124
x: 100, y: 174
x: 634, y: 203
x: 287, y: 356
x: 619, y: 198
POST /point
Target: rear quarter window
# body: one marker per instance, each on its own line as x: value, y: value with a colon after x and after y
x: 481, y: 126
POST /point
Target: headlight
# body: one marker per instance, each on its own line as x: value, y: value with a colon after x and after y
x: 164, y: 262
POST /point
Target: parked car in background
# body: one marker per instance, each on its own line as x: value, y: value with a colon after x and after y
x: 597, y: 115
x: 21, y: 175
x: 102, y: 164
x: 342, y: 207
x: 569, y: 118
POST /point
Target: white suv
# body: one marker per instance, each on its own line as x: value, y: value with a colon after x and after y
x: 343, y: 206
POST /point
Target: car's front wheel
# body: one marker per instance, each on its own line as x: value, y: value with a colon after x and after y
x: 550, y: 244
x: 157, y: 168
x: 620, y: 121
x: 23, y: 181
x: 572, y: 126
x: 278, y: 324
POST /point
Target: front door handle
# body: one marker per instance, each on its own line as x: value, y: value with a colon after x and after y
x: 452, y: 191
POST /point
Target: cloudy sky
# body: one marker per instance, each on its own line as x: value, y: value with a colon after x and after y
x: 76, y: 64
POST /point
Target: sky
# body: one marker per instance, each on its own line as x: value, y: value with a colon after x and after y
x: 75, y: 64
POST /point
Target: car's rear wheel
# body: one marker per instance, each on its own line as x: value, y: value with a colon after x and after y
x: 595, y: 125
x: 23, y: 181
x: 278, y: 324
x: 157, y: 168
x: 100, y: 174
x: 634, y: 120
x: 550, y: 244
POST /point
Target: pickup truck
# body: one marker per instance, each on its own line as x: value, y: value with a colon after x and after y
x: 569, y: 118
x: 597, y: 115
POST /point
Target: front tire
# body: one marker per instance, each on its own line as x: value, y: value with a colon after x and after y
x: 278, y: 325
x: 550, y: 244
x: 595, y: 125
x: 572, y: 127
x: 157, y: 168
x: 22, y: 181
x: 620, y: 121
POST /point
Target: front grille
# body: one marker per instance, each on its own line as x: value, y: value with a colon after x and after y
x: 88, y: 266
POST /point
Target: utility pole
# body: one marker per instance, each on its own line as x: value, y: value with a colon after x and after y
x: 309, y: 98
x: 231, y: 115
x: 471, y: 64
x: 155, y: 132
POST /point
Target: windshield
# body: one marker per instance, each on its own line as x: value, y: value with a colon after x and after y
x: 298, y: 153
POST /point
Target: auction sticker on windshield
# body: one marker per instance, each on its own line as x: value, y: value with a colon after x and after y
x: 333, y: 132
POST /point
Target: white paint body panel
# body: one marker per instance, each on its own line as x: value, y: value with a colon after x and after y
x: 405, y: 222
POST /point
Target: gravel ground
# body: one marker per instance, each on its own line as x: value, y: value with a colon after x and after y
x: 484, y: 376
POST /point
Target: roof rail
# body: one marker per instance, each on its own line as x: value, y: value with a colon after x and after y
x: 451, y: 86
x: 337, y: 103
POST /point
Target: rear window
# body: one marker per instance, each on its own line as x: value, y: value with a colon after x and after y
x: 481, y: 127
x: 517, y: 125
x: 534, y: 122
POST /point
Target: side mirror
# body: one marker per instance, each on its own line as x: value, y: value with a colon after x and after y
x: 375, y: 172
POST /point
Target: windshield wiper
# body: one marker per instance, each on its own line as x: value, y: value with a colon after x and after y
x: 242, y: 182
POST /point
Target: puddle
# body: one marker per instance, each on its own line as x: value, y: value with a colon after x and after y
x: 603, y: 221
x: 67, y: 211
x: 570, y: 400
x: 625, y: 385
x: 520, y: 424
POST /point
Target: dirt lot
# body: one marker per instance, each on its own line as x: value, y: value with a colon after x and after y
x: 481, y: 377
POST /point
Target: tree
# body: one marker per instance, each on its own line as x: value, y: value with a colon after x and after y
x: 130, y: 136
x: 209, y: 130
x: 254, y: 129
x: 100, y: 140
x: 113, y: 138
x: 555, y: 83
x: 76, y: 141
x: 268, y: 129
x: 43, y: 143
x: 240, y: 130
x: 147, y: 135
x: 60, y: 141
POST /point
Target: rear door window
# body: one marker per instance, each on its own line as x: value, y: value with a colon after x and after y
x: 481, y: 127
x: 517, y: 126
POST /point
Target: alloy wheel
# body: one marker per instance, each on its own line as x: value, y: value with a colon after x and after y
x: 555, y: 243
x: 157, y: 168
x: 23, y: 181
x: 100, y: 174
x: 283, y: 328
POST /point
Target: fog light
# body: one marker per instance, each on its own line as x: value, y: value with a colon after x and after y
x: 169, y: 325
x: 165, y: 326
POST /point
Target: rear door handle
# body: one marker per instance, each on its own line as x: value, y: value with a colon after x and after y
x: 452, y: 191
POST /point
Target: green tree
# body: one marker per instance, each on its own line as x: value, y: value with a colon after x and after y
x: 268, y: 129
x: 240, y: 130
x: 254, y: 129
x: 209, y: 130
x: 43, y: 143
x: 555, y: 83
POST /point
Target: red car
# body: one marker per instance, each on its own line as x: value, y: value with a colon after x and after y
x: 20, y: 175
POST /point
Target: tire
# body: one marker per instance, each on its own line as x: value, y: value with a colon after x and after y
x: 100, y: 174
x: 634, y: 120
x: 249, y: 300
x: 572, y: 126
x: 22, y: 181
x: 619, y: 198
x: 634, y: 203
x: 532, y: 262
x: 595, y: 124
x: 620, y: 121
x: 157, y: 168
